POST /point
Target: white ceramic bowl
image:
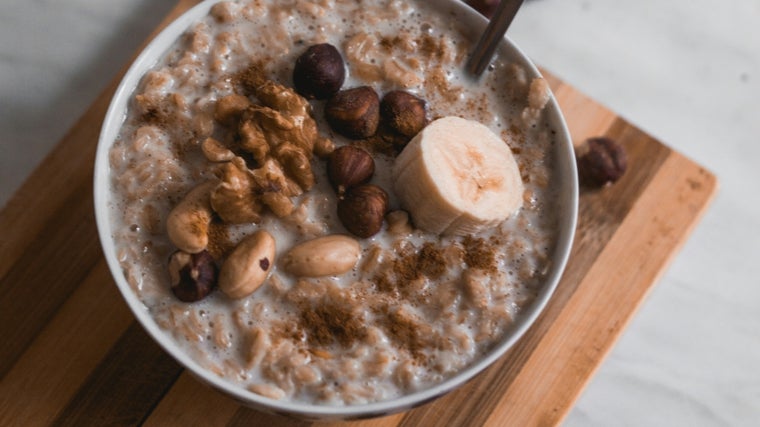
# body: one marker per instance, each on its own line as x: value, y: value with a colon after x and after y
x: 568, y: 205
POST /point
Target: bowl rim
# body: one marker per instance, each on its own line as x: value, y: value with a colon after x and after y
x: 116, y: 113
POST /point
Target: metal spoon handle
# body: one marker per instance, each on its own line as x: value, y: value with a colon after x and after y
x: 483, y: 52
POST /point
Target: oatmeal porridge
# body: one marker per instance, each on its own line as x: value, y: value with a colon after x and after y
x: 272, y: 235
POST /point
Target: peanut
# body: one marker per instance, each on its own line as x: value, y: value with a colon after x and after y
x: 248, y: 265
x: 323, y: 256
x: 187, y: 224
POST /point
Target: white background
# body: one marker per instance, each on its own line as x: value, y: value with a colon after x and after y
x: 686, y: 71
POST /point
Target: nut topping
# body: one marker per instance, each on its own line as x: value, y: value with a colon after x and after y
x: 319, y: 72
x: 187, y: 224
x: 349, y: 166
x: 296, y: 164
x: 362, y: 210
x: 403, y: 113
x: 354, y: 113
x: 323, y: 256
x: 193, y: 276
x: 233, y: 199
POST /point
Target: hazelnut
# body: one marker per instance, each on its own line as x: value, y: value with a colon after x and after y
x: 193, y: 276
x: 354, y: 113
x: 349, y: 166
x: 319, y: 72
x: 600, y: 161
x: 362, y: 210
x: 403, y: 112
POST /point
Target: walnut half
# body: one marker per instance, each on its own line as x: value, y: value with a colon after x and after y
x: 278, y: 137
x: 234, y: 199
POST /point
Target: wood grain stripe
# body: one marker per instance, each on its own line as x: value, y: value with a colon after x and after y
x: 126, y: 385
x: 53, y: 265
x: 80, y: 334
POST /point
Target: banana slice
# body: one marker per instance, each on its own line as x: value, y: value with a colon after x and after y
x: 456, y: 177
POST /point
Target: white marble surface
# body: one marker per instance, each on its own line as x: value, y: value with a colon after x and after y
x: 687, y: 71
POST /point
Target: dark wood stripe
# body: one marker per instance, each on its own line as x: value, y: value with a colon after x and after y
x: 50, y: 269
x: 245, y: 417
x: 125, y: 386
x: 601, y: 213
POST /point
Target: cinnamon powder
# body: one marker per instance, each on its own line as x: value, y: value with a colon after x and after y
x: 406, y: 331
x: 409, y: 266
x: 328, y: 322
x: 479, y: 254
x: 219, y: 242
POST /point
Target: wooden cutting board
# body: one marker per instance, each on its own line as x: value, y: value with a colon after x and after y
x: 71, y: 352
